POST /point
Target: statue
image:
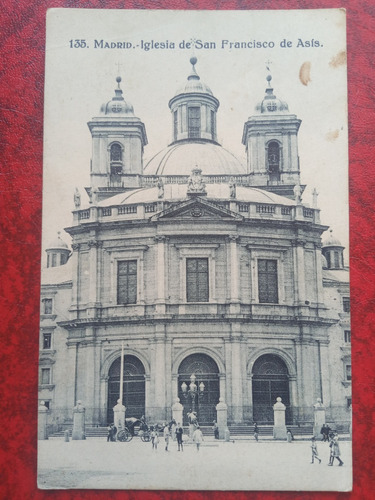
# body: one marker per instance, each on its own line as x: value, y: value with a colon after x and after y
x: 160, y: 188
x: 297, y: 193
x: 119, y: 415
x: 195, y: 182
x: 315, y: 198
x: 77, y: 198
x: 232, y: 188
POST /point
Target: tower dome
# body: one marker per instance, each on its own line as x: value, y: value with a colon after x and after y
x: 193, y: 110
x: 117, y: 106
x: 333, y: 251
x: 194, y: 84
x: 57, y: 252
x: 270, y: 103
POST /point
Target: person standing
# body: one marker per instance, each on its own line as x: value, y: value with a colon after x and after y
x: 215, y: 428
x: 289, y: 436
x: 198, y: 437
x: 256, y: 431
x: 335, y: 450
x: 314, y: 451
x: 154, y: 439
x: 325, y: 430
x: 166, y: 437
x: 179, y: 434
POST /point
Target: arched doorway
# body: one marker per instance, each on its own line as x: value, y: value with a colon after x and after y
x: 270, y: 380
x: 206, y: 371
x: 133, y: 390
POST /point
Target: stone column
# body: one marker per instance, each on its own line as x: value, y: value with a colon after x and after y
x: 319, y: 417
x: 42, y: 421
x: 93, y: 250
x: 160, y: 275
x: 75, y: 282
x: 299, y: 271
x: 236, y: 376
x: 279, y: 428
x: 222, y: 417
x: 234, y: 275
x: 159, y: 376
x: 177, y: 411
x: 78, y: 422
x: 119, y: 415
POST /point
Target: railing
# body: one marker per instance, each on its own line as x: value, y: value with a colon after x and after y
x: 127, y: 209
x: 266, y: 209
x: 84, y: 214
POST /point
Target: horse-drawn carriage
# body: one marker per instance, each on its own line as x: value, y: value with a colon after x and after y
x: 134, y: 427
x: 138, y: 427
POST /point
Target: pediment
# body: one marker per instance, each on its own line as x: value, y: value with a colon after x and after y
x: 197, y: 209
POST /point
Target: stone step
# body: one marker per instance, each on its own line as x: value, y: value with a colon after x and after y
x: 235, y: 430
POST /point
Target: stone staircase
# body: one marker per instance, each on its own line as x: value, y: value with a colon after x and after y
x: 236, y: 431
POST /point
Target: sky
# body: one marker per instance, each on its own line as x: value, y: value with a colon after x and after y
x: 81, y: 76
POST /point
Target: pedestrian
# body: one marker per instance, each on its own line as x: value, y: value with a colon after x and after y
x: 167, y: 435
x: 289, y: 436
x: 172, y: 429
x: 314, y: 451
x: 198, y: 437
x: 215, y: 428
x: 109, y: 435
x: 335, y: 450
x: 179, y: 434
x: 256, y: 431
x: 324, y: 431
x: 154, y: 438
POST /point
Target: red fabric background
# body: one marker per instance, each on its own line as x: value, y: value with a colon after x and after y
x: 22, y: 41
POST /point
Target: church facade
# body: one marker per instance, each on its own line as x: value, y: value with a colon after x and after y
x: 207, y: 272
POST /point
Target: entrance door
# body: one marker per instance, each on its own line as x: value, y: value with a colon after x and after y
x: 133, y: 390
x: 270, y: 381
x: 204, y: 403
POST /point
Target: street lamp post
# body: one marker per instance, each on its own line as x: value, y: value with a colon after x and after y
x: 194, y: 393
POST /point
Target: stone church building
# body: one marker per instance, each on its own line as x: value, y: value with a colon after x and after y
x: 205, y: 270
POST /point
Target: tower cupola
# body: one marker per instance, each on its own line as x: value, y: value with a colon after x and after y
x: 270, y: 138
x: 57, y: 252
x: 333, y: 251
x: 193, y: 110
x: 118, y: 140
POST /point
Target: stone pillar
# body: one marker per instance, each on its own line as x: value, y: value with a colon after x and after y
x: 177, y: 411
x: 234, y: 275
x: 119, y: 415
x: 222, y: 417
x: 160, y: 275
x: 42, y: 421
x: 237, y: 405
x: 319, y: 417
x: 93, y: 250
x: 78, y: 422
x: 159, y: 376
x: 279, y: 427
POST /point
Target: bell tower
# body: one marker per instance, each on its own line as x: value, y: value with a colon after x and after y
x: 270, y: 138
x: 118, y: 140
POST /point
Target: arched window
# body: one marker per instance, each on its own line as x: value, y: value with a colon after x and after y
x: 273, y: 160
x: 116, y: 159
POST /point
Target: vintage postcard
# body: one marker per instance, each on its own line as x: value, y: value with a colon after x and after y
x: 195, y: 310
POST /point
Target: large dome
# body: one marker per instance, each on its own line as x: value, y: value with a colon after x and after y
x: 180, y: 158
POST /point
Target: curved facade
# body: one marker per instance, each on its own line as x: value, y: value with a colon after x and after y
x: 201, y: 279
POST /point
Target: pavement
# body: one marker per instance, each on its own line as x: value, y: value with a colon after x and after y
x: 239, y: 465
